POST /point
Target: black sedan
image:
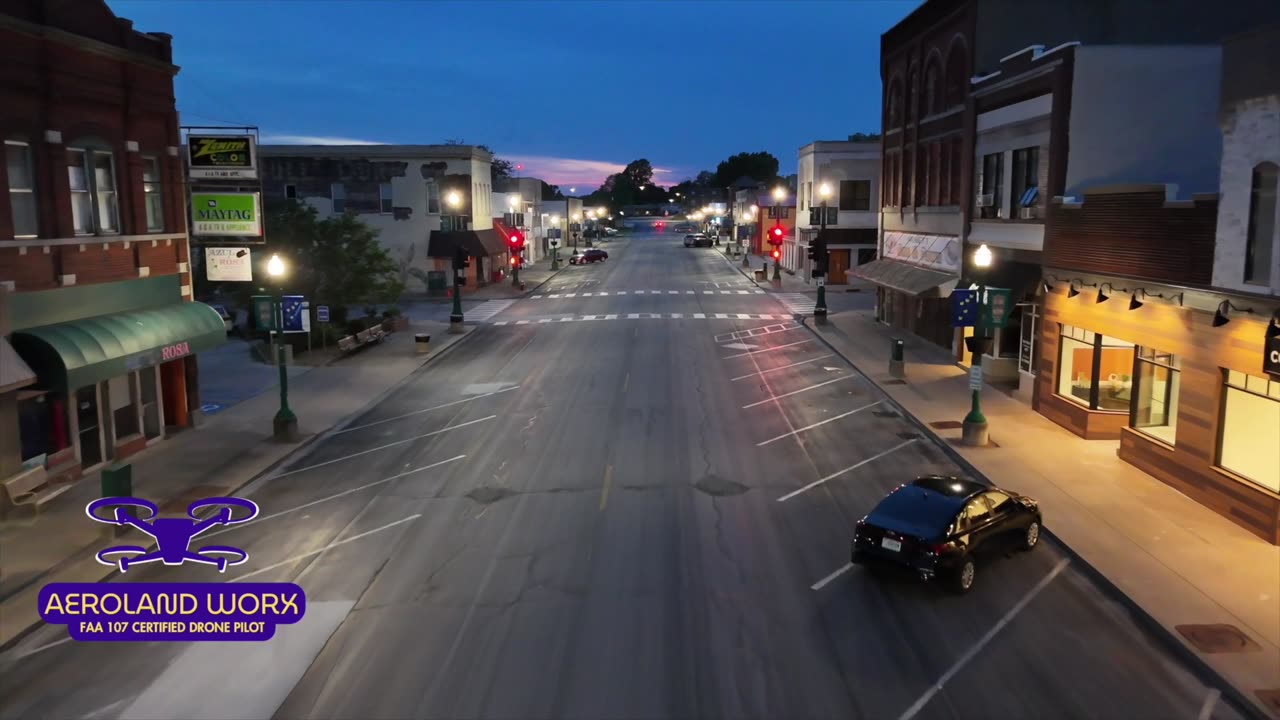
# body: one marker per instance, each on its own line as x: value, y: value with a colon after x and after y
x: 588, y: 256
x: 942, y: 527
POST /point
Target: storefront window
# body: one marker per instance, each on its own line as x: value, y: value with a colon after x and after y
x: 1250, y: 426
x: 42, y: 424
x: 1095, y: 371
x: 1155, y: 395
x: 124, y: 405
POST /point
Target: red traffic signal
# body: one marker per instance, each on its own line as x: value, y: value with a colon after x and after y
x: 777, y: 254
x: 516, y: 239
x: 515, y: 261
x: 775, y: 234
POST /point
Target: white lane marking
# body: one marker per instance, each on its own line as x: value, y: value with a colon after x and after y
x: 768, y: 349
x: 501, y: 322
x: 688, y: 292
x: 555, y: 296
x: 335, y: 496
x: 796, y: 392
x: 639, y: 292
x: 928, y: 695
x: 739, y: 346
x: 424, y: 410
x: 676, y: 316
x: 758, y: 292
x: 522, y: 322
x: 384, y: 447
x: 589, y: 317
x: 838, y: 473
x: 817, y: 424
x: 566, y: 319
x: 545, y: 320
x: 744, y: 316
x: 331, y: 545
x: 622, y: 292
x: 263, y: 674
x: 673, y: 292
x: 8, y: 658
x: 708, y: 292
x: 1206, y: 710
x: 535, y: 297
x: 633, y: 316
x: 823, y: 582
x: 601, y: 294
x: 780, y: 367
x: 700, y: 316
x: 610, y: 317
x: 569, y: 295
x: 722, y: 316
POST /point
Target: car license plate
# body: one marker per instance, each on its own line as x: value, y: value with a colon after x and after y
x: 888, y: 544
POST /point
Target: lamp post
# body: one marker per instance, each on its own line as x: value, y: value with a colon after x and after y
x: 586, y: 233
x: 555, y: 244
x: 974, y: 430
x: 454, y: 200
x: 513, y: 201
x: 779, y: 194
x: 820, y: 308
x: 285, y: 424
x: 576, y: 218
x: 746, y: 250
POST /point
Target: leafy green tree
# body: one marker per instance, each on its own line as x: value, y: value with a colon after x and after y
x: 759, y: 166
x: 551, y: 192
x: 864, y: 137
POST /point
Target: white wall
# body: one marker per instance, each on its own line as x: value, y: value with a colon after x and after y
x: 1250, y: 135
x: 1145, y: 115
x: 860, y: 162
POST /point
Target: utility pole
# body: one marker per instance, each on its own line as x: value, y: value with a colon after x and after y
x: 820, y: 257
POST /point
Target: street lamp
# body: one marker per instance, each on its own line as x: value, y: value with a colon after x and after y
x: 576, y: 217
x: 555, y: 244
x: 748, y: 218
x: 779, y: 195
x: 820, y: 257
x: 285, y: 424
x: 974, y: 428
x: 454, y: 200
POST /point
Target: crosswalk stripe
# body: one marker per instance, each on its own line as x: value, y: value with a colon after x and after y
x: 522, y: 322
x: 673, y: 292
x: 572, y: 295
x: 501, y: 322
x: 545, y: 320
x: 633, y: 316
x: 744, y: 316
x: 610, y: 317
x: 688, y: 292
x: 722, y: 316
x: 588, y: 317
x: 700, y: 316
x: 535, y: 297
x: 676, y: 316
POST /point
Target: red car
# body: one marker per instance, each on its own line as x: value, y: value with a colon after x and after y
x: 588, y: 256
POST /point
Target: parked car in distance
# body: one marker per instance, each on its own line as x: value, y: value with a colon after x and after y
x: 610, y: 232
x: 697, y: 240
x: 583, y: 257
x: 944, y: 527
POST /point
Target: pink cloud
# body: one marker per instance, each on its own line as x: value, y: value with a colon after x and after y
x: 585, y: 175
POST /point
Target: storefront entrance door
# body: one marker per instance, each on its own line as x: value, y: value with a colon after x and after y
x: 837, y: 265
x: 90, y: 426
x: 152, y: 410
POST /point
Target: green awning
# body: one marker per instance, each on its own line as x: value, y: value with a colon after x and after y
x: 71, y: 355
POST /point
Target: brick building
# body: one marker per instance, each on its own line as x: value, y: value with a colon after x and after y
x: 94, y: 260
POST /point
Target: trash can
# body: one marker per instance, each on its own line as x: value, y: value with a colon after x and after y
x: 117, y: 480
x: 421, y: 341
x: 896, y: 365
x: 760, y: 274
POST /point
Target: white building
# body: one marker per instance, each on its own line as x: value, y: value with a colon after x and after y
x: 407, y: 192
x: 851, y: 170
x: 557, y: 220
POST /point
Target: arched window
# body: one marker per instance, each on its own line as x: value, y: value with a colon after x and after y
x: 932, y: 103
x: 893, y: 113
x: 957, y: 74
x: 1261, y: 239
x: 913, y: 96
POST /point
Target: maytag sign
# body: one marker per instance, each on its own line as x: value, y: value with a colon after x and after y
x: 225, y: 214
x: 222, y: 157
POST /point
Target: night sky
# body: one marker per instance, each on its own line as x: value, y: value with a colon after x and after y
x: 573, y: 90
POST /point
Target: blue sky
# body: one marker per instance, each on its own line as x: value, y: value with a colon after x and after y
x: 573, y: 90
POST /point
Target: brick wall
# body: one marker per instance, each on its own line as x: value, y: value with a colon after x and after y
x: 1250, y: 135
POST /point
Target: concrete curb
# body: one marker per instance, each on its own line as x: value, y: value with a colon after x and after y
x: 272, y: 471
x: 1239, y: 698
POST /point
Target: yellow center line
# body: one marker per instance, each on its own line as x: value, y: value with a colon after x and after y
x: 608, y: 480
x: 626, y: 382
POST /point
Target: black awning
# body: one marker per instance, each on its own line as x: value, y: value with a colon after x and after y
x: 849, y: 236
x: 477, y: 243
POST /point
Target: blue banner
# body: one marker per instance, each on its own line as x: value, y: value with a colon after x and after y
x: 964, y: 307
x: 293, y: 313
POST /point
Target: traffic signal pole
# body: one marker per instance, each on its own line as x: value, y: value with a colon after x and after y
x: 820, y: 263
x: 459, y: 270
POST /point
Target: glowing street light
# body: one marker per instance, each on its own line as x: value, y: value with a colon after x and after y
x: 275, y: 266
x: 974, y: 429
x: 285, y: 424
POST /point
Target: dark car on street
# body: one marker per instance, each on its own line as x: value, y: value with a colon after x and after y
x: 588, y: 256
x: 944, y: 527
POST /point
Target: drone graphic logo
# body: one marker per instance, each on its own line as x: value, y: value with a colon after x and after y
x: 173, y: 535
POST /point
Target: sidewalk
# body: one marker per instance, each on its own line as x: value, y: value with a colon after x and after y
x: 225, y: 453
x: 1177, y: 561
x: 790, y: 283
x: 531, y: 275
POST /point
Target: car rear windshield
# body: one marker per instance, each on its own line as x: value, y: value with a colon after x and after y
x: 920, y: 507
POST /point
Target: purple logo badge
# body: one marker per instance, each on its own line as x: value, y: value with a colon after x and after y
x: 173, y: 535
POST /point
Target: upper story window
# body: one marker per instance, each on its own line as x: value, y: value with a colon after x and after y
x: 990, y: 199
x: 893, y: 113
x: 92, y: 177
x: 855, y: 195
x: 22, y: 190
x: 384, y: 198
x: 778, y: 212
x: 1261, y: 239
x: 290, y: 192
x: 913, y: 96
x: 152, y: 192
x: 931, y: 100
x: 433, y: 198
x: 957, y: 74
x: 1026, y: 181
x: 338, y: 194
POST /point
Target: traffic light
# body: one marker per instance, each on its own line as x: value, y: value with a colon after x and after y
x: 777, y: 253
x: 461, y: 260
x: 515, y: 261
x: 818, y: 253
x: 775, y: 235
x: 516, y: 240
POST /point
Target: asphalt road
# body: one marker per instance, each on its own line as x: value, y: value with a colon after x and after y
x: 621, y: 517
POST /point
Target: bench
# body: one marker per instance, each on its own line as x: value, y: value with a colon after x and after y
x: 31, y: 489
x: 369, y: 336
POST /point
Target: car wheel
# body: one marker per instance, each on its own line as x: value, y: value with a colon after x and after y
x: 965, y: 574
x: 1031, y: 537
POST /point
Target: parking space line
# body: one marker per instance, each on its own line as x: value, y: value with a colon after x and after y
x: 780, y: 367
x: 838, y: 473
x: 768, y: 349
x: 796, y: 392
x: 817, y: 424
x: 424, y: 410
x: 330, y: 546
x: 823, y: 582
x: 982, y: 642
x: 604, y: 491
x: 384, y: 447
x: 1206, y: 710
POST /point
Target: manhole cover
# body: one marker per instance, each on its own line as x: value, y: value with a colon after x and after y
x: 895, y: 381
x: 178, y: 505
x: 717, y: 486
x: 1218, y: 638
x: 946, y: 425
x: 486, y: 495
x: 1270, y: 699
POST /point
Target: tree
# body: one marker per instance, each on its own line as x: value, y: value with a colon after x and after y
x: 864, y: 137
x: 551, y: 192
x: 759, y: 166
x: 638, y: 173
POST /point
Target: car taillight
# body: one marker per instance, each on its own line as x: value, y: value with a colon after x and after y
x: 936, y: 548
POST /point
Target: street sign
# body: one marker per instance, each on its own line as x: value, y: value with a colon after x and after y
x: 322, y: 313
x: 222, y: 157
x: 975, y: 377
x: 264, y: 312
x: 997, y: 307
x: 292, y: 307
x: 228, y: 264
x: 821, y: 281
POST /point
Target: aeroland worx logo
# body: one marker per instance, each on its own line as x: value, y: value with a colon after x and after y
x: 172, y: 611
